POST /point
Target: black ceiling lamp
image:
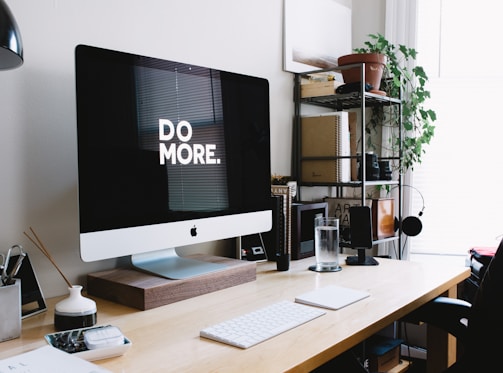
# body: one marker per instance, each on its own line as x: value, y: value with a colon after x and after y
x: 11, y: 45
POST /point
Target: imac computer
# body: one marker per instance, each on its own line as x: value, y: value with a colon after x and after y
x: 169, y: 154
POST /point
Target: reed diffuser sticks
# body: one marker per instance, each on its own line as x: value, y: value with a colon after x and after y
x: 40, y: 245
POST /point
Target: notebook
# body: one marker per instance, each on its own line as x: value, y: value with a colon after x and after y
x: 331, y: 297
x: 48, y: 359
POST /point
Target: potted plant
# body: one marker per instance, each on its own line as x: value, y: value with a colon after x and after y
x: 402, y: 80
x: 374, y: 68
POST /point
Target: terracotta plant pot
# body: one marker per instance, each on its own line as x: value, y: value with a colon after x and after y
x: 374, y: 67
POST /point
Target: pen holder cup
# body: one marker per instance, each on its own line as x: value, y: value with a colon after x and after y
x: 10, y: 309
x: 283, y: 262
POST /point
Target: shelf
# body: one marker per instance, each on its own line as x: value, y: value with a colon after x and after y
x: 384, y: 240
x: 344, y: 102
x: 345, y: 244
x: 349, y: 100
x: 351, y: 184
x: 335, y: 157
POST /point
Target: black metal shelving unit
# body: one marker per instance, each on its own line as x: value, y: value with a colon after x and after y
x: 340, y: 102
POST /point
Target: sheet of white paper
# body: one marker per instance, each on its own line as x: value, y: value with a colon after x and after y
x: 332, y: 297
x: 48, y: 359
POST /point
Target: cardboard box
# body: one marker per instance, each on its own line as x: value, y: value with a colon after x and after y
x: 315, y: 89
x: 384, y: 354
x: 383, y: 218
x: 386, y: 361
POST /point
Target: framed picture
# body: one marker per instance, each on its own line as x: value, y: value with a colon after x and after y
x: 316, y: 34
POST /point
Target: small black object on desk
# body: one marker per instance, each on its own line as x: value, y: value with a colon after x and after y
x: 283, y: 261
x: 360, y: 220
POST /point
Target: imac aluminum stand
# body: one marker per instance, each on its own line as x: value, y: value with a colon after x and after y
x: 167, y: 263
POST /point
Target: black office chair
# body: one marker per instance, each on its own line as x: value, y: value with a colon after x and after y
x: 482, y: 337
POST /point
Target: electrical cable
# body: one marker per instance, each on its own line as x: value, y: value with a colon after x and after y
x: 404, y: 244
x: 394, y: 250
x: 420, y: 213
x: 263, y: 245
x: 406, y: 338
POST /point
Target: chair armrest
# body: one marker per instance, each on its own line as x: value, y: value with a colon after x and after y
x: 445, y: 313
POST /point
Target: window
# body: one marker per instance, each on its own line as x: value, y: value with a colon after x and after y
x: 460, y: 177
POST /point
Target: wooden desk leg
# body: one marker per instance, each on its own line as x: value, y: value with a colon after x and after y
x: 441, y: 345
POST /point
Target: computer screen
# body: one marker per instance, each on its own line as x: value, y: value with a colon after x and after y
x: 169, y: 154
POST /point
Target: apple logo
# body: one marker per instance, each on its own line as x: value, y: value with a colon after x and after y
x: 193, y: 231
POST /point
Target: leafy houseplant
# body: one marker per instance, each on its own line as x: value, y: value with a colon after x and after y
x: 401, y: 80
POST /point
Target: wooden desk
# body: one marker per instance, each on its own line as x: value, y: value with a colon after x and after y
x: 166, y: 339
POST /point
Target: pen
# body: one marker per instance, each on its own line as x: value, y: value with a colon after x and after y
x: 15, y: 269
x: 7, y: 278
x: 6, y: 259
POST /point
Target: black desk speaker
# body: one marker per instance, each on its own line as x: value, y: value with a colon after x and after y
x: 360, y: 222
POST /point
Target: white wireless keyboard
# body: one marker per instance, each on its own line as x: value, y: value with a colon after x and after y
x: 257, y: 326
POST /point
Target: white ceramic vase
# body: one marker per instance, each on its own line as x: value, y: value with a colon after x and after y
x: 75, y: 311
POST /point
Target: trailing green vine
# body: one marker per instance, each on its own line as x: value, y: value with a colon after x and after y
x: 401, y: 80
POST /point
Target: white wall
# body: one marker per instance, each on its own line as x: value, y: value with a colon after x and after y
x: 368, y: 18
x: 38, y: 165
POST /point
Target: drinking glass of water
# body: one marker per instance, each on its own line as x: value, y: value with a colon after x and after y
x: 326, y: 244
